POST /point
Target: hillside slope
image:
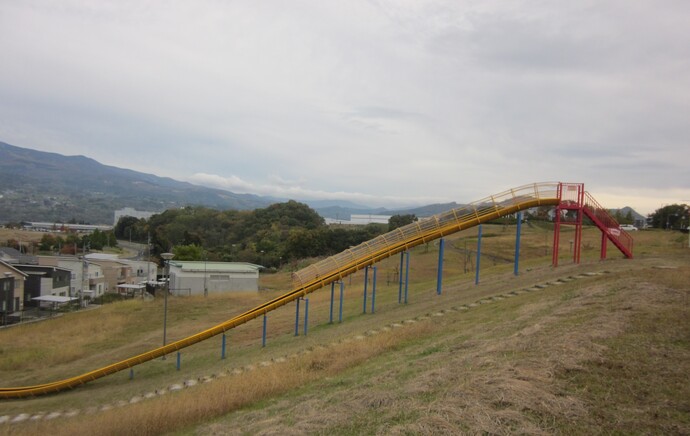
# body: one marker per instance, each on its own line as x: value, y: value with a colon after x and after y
x: 600, y: 347
x: 40, y: 186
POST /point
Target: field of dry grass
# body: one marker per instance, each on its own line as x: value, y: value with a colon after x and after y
x: 604, y: 353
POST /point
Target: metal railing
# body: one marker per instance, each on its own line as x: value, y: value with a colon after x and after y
x: 607, y: 223
x: 425, y: 230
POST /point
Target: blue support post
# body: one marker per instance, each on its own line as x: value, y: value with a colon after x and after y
x: 263, y: 335
x: 330, y: 316
x: 366, y: 282
x: 297, y: 317
x: 131, y: 373
x: 222, y: 348
x: 342, y: 289
x: 306, y: 316
x: 407, y: 273
x: 479, y: 254
x: 373, y: 291
x: 179, y: 360
x: 439, y: 275
x: 517, y: 242
x: 400, y: 279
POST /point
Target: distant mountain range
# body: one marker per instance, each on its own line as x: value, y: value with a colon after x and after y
x: 42, y: 186
x: 50, y: 187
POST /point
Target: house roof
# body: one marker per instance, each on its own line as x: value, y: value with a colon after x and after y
x: 7, y: 265
x: 128, y: 286
x: 41, y: 269
x: 12, y: 255
x: 102, y: 256
x: 214, y: 267
x: 55, y: 299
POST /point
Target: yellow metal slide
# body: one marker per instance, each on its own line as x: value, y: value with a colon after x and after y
x: 334, y: 268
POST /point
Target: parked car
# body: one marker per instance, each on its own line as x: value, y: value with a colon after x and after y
x: 628, y: 227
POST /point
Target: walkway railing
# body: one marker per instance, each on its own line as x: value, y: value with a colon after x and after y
x: 335, y: 267
x: 607, y: 223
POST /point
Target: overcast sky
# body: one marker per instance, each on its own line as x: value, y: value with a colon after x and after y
x: 383, y: 103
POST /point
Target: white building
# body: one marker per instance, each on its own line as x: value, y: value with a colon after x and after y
x: 142, y: 270
x: 192, y: 278
x: 93, y: 285
x: 361, y: 220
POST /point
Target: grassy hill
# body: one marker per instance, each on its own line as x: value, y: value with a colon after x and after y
x: 600, y: 347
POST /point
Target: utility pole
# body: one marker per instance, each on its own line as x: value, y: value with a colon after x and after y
x: 688, y: 226
x: 148, y: 259
x: 166, y: 258
x: 205, y: 261
x: 84, y: 280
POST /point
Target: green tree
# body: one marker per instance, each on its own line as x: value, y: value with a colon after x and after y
x: 48, y: 242
x: 129, y: 227
x: 400, y: 220
x: 670, y: 217
x: 629, y: 219
x: 188, y: 252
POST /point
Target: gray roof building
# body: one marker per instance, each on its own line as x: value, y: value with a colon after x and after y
x: 198, y: 277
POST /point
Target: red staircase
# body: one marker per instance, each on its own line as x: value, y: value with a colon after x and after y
x: 575, y: 204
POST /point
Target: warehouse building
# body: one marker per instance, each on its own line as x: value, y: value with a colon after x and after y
x: 199, y: 277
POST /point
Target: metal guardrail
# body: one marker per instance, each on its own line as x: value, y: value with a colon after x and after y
x: 332, y: 269
x: 430, y: 228
x: 608, y: 224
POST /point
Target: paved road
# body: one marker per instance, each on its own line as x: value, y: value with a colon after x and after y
x: 132, y: 250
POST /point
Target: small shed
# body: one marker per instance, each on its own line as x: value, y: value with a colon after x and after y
x: 54, y: 301
x: 199, y: 277
x: 130, y: 290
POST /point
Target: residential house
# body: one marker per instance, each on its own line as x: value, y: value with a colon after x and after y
x: 98, y: 283
x: 95, y: 284
x: 44, y: 280
x: 142, y: 271
x: 11, y: 293
x: 115, y: 272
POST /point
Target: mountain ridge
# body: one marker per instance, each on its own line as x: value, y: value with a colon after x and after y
x: 46, y: 186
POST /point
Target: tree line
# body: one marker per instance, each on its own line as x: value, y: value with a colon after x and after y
x: 279, y: 234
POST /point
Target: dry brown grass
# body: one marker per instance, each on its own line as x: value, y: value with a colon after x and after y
x: 509, y: 376
x: 604, y: 354
x: 174, y: 411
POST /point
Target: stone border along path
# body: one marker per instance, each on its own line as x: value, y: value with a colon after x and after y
x: 47, y: 416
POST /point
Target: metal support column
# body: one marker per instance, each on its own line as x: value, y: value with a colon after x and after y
x: 222, y: 347
x: 578, y: 236
x: 297, y: 317
x: 330, y: 313
x: 400, y: 277
x: 373, y: 291
x: 517, y: 243
x: 306, y: 316
x: 263, y: 334
x: 366, y: 282
x: 340, y: 314
x: 407, y: 273
x: 439, y: 274
x: 557, y: 228
x: 179, y: 360
x: 479, y: 254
